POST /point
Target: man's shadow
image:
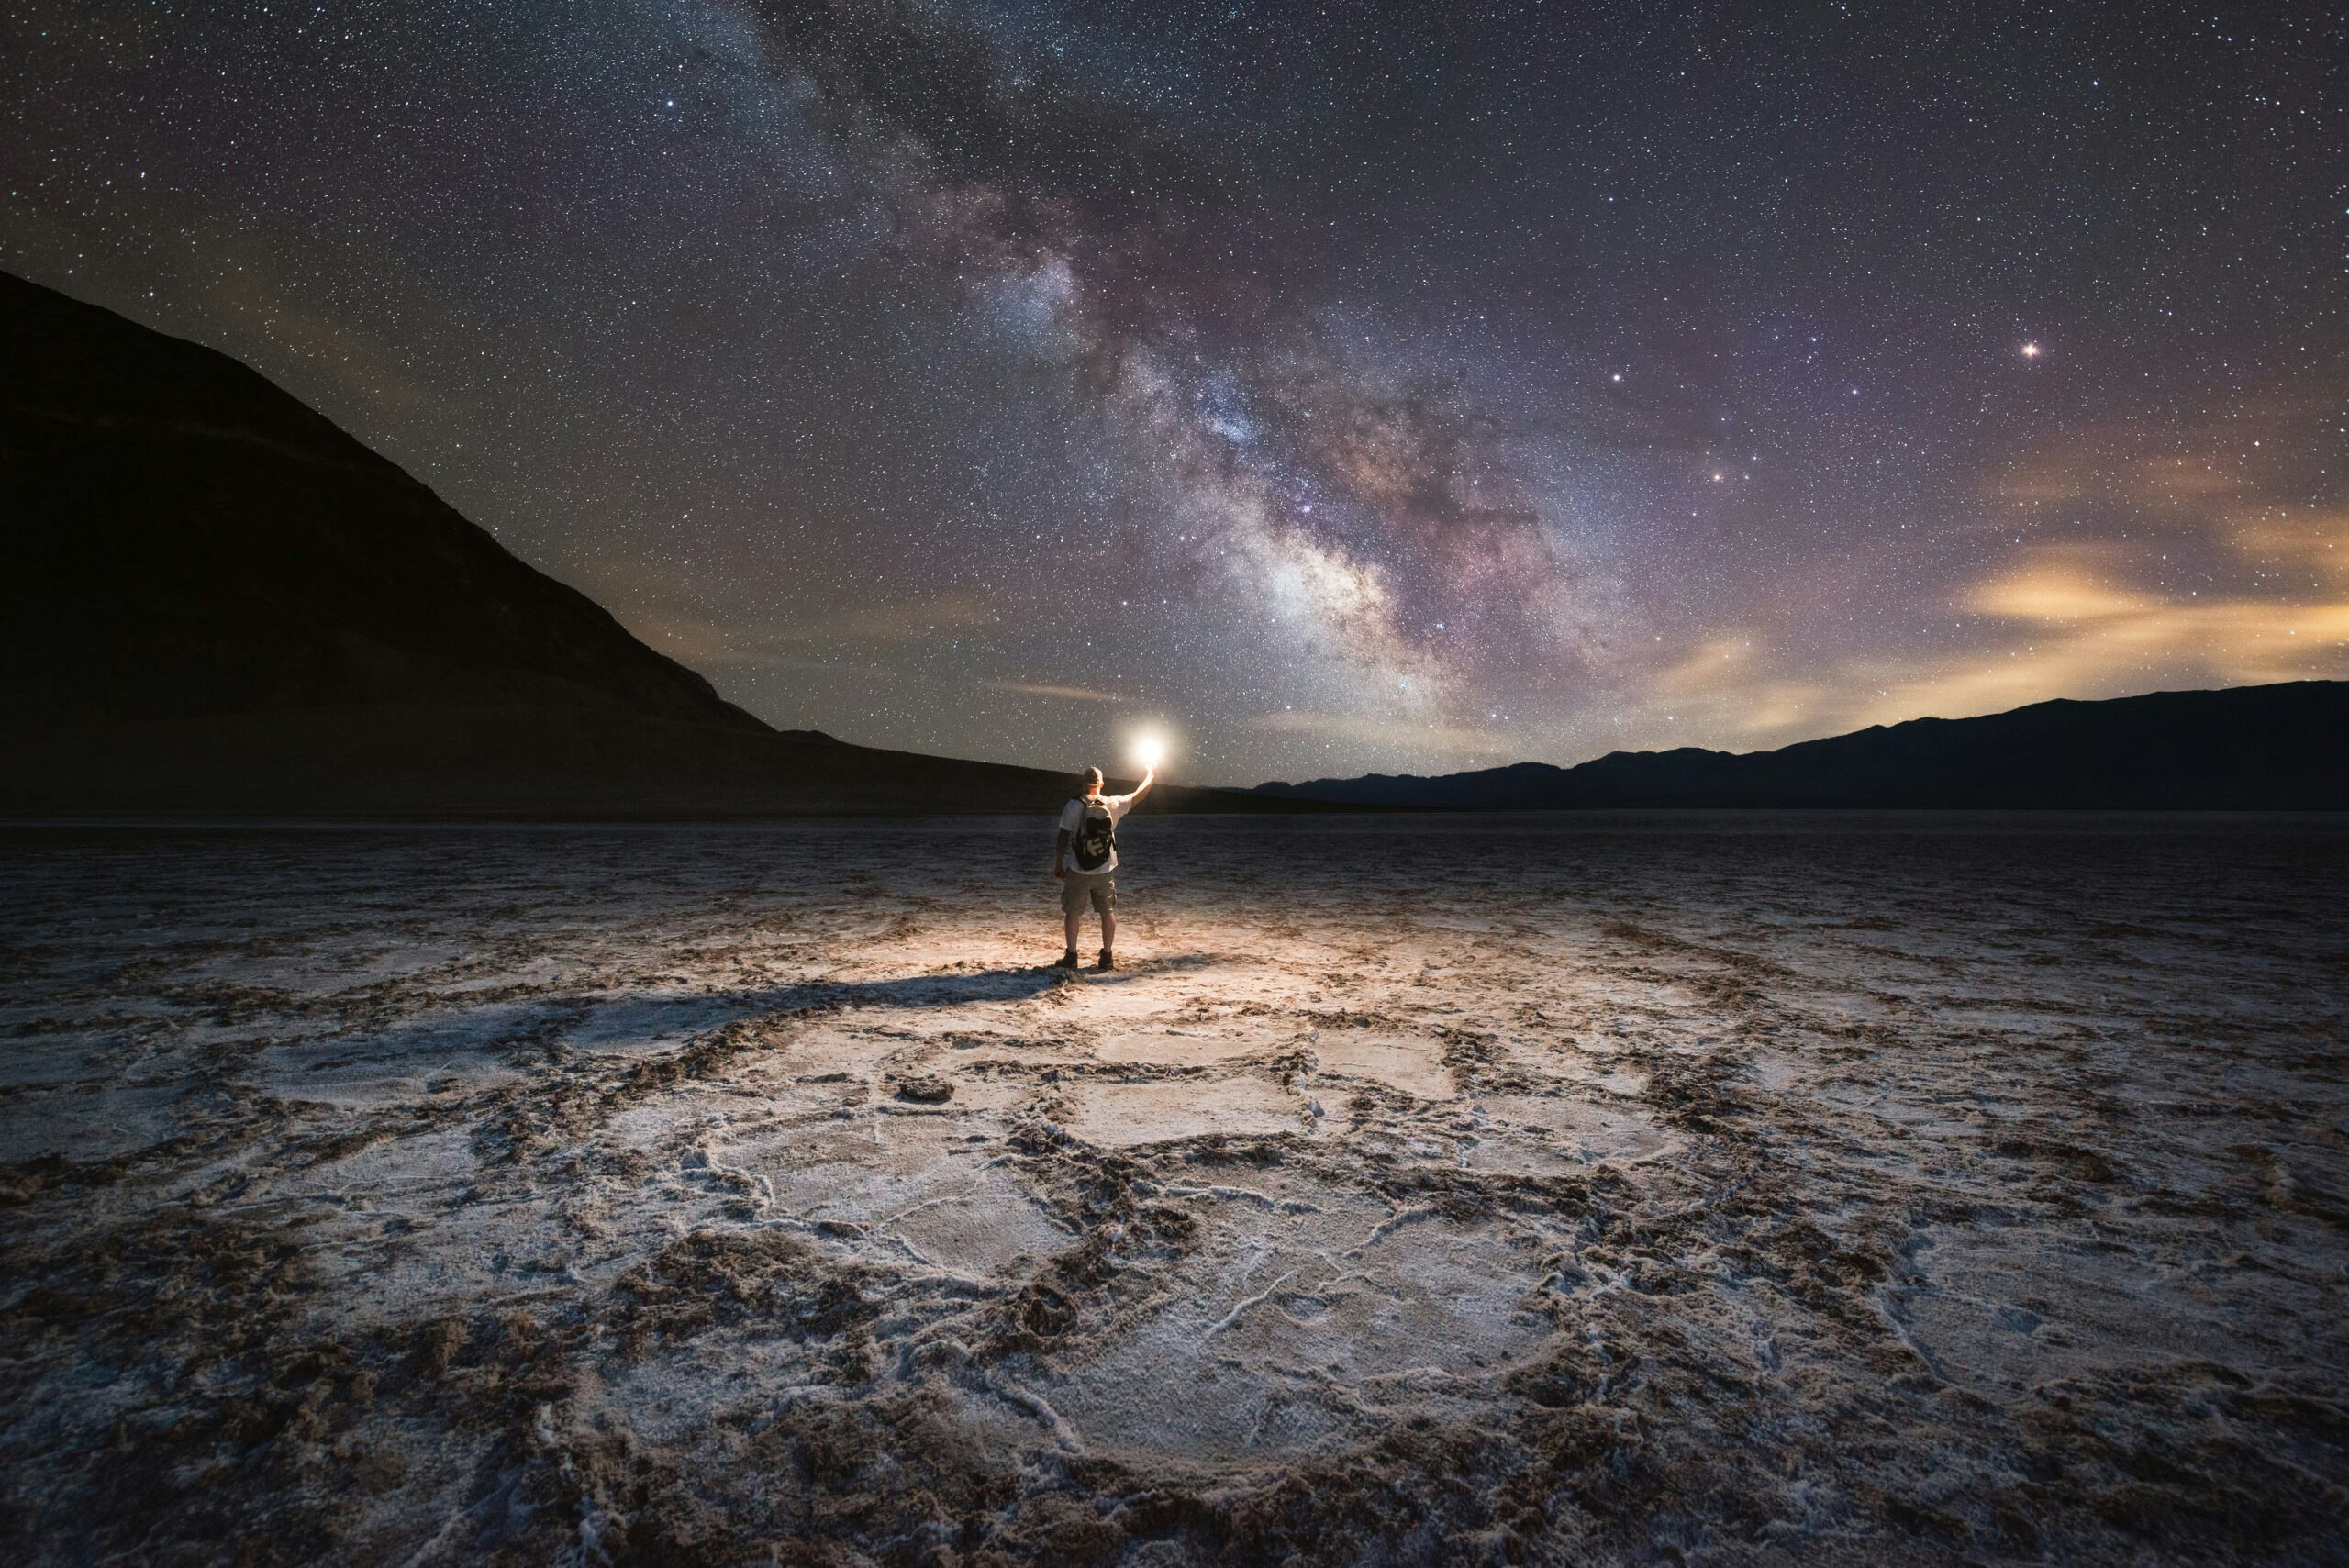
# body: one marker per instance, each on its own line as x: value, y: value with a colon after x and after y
x: 955, y: 987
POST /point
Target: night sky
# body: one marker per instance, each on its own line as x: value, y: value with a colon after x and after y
x: 1401, y: 387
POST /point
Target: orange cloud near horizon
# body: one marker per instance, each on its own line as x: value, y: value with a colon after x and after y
x: 2078, y: 627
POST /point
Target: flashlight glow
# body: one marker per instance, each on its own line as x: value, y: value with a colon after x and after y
x: 1150, y: 751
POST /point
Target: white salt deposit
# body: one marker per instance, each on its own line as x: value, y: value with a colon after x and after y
x: 1702, y: 1189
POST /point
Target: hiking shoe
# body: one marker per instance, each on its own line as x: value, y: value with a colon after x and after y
x: 1107, y: 962
x: 1066, y: 960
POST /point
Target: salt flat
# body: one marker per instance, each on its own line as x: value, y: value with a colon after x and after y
x: 1725, y: 1188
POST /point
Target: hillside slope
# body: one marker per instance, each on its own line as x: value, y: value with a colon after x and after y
x: 214, y: 602
x: 182, y: 538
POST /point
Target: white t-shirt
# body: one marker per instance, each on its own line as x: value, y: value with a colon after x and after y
x: 1073, y: 813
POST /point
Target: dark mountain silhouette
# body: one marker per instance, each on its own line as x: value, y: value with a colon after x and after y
x: 213, y: 601
x: 2251, y: 747
x: 185, y: 539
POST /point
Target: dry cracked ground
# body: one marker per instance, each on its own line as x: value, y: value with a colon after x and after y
x: 1673, y: 1189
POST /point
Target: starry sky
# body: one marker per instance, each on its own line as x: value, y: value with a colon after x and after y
x: 1397, y: 387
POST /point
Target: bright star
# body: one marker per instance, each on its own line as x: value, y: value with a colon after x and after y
x: 2031, y: 351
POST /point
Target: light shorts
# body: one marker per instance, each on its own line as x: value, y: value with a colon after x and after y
x: 1080, y: 887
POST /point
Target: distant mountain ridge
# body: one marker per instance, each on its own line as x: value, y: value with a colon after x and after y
x: 2283, y: 747
x: 215, y: 603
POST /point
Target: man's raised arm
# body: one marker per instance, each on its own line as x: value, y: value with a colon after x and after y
x: 1149, y: 777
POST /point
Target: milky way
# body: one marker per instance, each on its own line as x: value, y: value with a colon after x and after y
x: 1391, y: 387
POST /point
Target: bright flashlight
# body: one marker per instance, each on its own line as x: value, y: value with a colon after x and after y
x: 1150, y: 751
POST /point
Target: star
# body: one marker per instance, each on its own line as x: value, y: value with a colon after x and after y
x: 1001, y: 285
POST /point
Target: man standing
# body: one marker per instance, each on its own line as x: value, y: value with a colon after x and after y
x: 1089, y: 831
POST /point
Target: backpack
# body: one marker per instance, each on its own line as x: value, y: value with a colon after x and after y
x: 1096, y: 839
